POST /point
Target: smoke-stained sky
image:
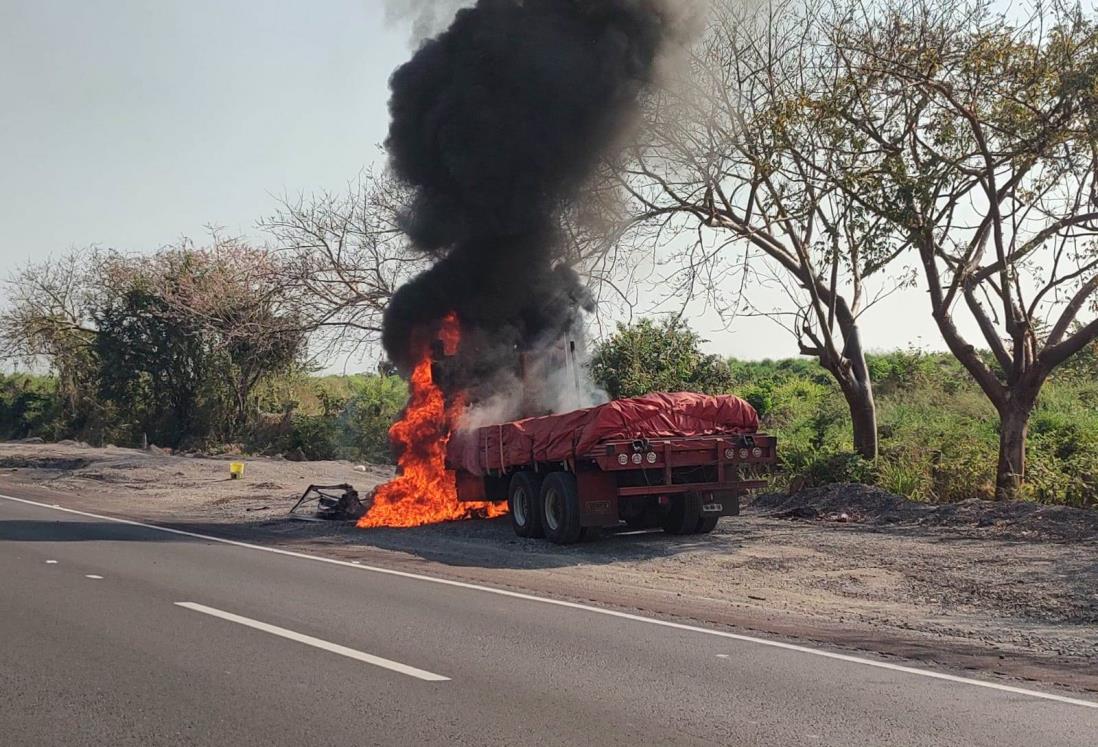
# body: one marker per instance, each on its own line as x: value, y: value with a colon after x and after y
x: 129, y: 123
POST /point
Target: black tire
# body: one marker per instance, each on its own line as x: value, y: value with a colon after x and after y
x: 706, y: 524
x: 560, y: 509
x: 524, y: 504
x: 590, y: 534
x: 684, y: 514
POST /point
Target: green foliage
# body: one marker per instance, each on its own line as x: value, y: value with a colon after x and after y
x: 333, y: 417
x: 152, y: 367
x: 315, y: 435
x: 1064, y: 432
x: 939, y: 433
x: 649, y: 356
x: 375, y: 403
x: 29, y: 406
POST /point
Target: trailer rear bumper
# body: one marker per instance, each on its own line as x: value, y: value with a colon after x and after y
x: 601, y: 498
x: 739, y: 487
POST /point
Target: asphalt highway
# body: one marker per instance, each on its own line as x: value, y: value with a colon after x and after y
x: 112, y: 633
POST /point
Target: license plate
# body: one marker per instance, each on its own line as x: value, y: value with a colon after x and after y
x: 713, y: 508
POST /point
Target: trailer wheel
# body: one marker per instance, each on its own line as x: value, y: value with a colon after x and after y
x: 560, y: 508
x: 524, y: 503
x: 684, y: 514
x: 706, y: 524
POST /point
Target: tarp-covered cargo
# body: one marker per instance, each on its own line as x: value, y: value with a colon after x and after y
x: 555, y: 438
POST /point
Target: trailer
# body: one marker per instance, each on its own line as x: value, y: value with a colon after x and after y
x: 676, y: 461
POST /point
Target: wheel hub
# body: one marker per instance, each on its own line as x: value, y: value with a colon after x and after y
x: 521, y: 506
x: 552, y: 509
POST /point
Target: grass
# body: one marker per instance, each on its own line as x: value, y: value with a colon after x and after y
x: 938, y: 433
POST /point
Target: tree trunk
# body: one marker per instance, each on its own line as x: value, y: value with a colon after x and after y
x: 863, y: 417
x: 1013, y: 427
x: 857, y: 386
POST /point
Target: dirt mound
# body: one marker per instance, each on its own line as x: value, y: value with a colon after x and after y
x: 867, y: 505
x: 57, y: 463
x: 1028, y: 520
x: 860, y: 503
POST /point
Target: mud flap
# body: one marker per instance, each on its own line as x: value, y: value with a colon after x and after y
x: 598, y: 494
x: 471, y: 487
x: 720, y: 503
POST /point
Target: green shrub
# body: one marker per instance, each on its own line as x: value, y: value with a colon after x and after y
x: 835, y: 467
x: 29, y: 406
x: 760, y: 396
x: 315, y: 435
x: 376, y: 402
x: 663, y: 356
x: 333, y: 417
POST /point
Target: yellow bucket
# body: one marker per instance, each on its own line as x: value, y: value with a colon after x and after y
x: 236, y: 470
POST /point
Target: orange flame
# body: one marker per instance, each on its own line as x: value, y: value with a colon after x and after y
x: 424, y: 491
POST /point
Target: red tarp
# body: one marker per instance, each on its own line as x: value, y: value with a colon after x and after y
x: 555, y: 438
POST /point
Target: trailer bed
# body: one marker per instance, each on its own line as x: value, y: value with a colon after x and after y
x: 562, y: 438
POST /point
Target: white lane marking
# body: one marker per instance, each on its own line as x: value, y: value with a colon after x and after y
x: 928, y: 673
x: 722, y: 656
x: 93, y: 576
x: 51, y: 562
x: 350, y: 653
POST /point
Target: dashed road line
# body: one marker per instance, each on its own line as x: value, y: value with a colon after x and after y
x: 308, y: 640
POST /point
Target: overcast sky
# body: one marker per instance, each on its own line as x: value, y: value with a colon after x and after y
x: 130, y: 123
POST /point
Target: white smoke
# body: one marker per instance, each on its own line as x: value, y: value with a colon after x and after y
x: 556, y: 379
x: 428, y: 17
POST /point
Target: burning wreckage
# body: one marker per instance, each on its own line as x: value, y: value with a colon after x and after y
x: 498, y: 123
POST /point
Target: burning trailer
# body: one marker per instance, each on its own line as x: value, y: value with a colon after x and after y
x: 676, y: 461
x: 499, y: 126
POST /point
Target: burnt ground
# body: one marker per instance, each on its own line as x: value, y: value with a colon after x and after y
x: 1007, y: 588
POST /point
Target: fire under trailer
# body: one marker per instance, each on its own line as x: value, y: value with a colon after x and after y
x: 676, y: 461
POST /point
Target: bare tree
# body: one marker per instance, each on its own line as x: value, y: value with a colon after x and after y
x: 730, y: 155
x: 47, y: 321
x: 976, y: 138
x: 342, y: 256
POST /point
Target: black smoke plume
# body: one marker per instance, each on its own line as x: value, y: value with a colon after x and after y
x: 496, y: 125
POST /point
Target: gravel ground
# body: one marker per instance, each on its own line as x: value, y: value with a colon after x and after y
x: 1013, y: 583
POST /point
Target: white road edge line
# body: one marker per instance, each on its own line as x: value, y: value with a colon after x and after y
x: 928, y: 673
x: 335, y: 648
